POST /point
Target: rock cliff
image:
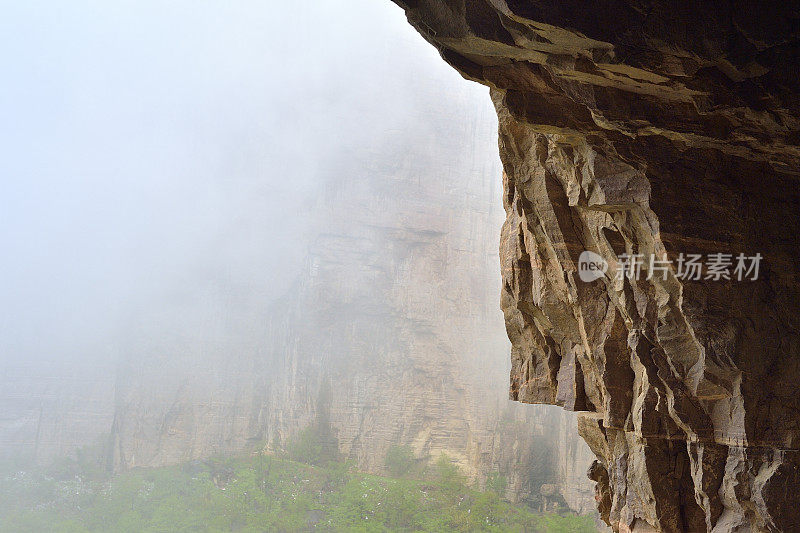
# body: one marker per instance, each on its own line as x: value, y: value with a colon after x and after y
x: 392, y: 328
x: 651, y: 129
x: 50, y: 410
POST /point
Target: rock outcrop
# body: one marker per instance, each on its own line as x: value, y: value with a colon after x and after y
x: 651, y: 129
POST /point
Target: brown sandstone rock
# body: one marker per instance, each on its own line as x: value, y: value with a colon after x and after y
x: 651, y: 128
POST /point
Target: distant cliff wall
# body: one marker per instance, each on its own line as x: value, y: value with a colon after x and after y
x: 47, y: 411
x: 395, y: 313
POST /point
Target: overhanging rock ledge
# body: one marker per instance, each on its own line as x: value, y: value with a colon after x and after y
x: 652, y: 128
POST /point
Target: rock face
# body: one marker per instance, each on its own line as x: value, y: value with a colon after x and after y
x: 47, y: 411
x: 653, y: 128
x: 392, y: 329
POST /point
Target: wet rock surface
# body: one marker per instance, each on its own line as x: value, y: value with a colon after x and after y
x: 660, y: 129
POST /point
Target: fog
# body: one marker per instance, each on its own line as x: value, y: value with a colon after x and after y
x: 156, y: 151
x: 238, y: 230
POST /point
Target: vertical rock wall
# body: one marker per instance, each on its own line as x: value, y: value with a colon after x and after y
x: 49, y: 410
x: 393, y: 324
x: 660, y: 129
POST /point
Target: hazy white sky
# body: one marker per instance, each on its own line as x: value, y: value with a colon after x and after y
x: 151, y: 149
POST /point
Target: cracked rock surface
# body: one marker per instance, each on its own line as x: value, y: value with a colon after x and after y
x: 660, y: 129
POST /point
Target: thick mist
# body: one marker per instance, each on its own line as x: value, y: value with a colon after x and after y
x: 243, y: 229
x: 159, y: 158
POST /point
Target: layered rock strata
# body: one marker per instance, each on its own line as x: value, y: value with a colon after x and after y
x: 49, y: 411
x: 651, y: 129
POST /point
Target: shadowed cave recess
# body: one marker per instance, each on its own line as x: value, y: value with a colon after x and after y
x: 656, y: 129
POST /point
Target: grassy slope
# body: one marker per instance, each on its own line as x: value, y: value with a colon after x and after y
x: 261, y: 494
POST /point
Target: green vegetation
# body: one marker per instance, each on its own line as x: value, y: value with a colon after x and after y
x: 264, y: 493
x: 400, y: 461
x: 496, y: 483
x: 314, y: 445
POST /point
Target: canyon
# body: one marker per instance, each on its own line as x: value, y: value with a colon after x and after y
x: 651, y: 129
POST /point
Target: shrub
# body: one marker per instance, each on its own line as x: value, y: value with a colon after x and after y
x: 448, y: 475
x: 497, y: 483
x: 400, y: 460
x: 314, y: 445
